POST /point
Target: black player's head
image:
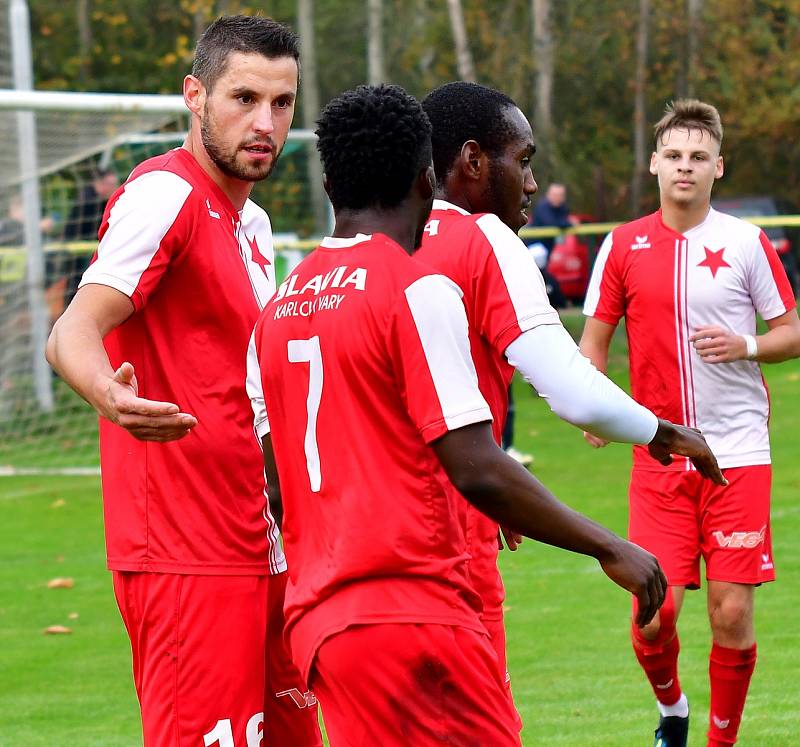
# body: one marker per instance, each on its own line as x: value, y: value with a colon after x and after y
x: 375, y: 145
x: 482, y: 143
x: 246, y: 34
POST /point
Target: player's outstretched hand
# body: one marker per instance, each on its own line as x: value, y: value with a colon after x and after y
x: 594, y: 441
x: 718, y: 345
x: 689, y: 442
x: 513, y: 539
x: 144, y: 419
x: 638, y: 571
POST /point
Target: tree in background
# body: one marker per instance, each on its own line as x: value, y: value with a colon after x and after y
x: 740, y: 56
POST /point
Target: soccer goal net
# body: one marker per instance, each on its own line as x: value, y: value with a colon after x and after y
x: 62, y: 155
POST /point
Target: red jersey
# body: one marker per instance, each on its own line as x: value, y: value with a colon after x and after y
x: 668, y: 284
x: 504, y: 295
x: 197, y: 272
x: 364, y: 361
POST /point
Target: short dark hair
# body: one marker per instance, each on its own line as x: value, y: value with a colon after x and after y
x: 248, y: 34
x: 689, y: 114
x: 373, y: 142
x: 462, y: 111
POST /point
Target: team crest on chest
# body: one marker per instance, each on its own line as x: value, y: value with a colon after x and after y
x: 714, y: 260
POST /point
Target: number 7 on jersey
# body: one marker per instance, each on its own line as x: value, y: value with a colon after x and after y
x: 308, y: 351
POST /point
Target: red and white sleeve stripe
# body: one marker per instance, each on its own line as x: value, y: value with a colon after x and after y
x: 513, y: 293
x: 448, y: 397
x: 140, y: 218
x: 769, y: 287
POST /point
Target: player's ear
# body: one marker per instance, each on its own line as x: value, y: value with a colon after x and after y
x: 653, y: 169
x: 426, y: 183
x: 194, y: 95
x: 720, y: 168
x: 472, y: 160
x: 326, y: 185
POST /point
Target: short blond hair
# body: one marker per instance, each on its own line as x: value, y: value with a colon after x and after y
x: 689, y: 114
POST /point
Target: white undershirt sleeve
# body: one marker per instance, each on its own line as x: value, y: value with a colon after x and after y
x: 575, y: 390
x: 255, y: 390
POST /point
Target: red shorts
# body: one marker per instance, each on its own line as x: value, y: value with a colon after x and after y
x: 497, y: 635
x: 402, y: 684
x: 679, y: 516
x: 201, y: 648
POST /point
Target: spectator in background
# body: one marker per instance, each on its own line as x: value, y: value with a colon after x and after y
x: 87, y: 213
x: 12, y: 227
x: 552, y: 210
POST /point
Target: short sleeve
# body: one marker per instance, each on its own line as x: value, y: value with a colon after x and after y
x: 146, y: 224
x: 770, y: 289
x: 432, y: 361
x: 255, y: 389
x: 510, y: 296
x: 605, y: 296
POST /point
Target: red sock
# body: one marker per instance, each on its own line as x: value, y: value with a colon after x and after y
x: 659, y: 657
x: 729, y: 670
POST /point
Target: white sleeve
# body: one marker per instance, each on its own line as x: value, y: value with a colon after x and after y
x: 255, y: 390
x: 575, y: 390
x: 142, y: 216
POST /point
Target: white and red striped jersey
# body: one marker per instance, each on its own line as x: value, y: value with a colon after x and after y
x: 504, y: 295
x: 667, y: 285
x: 197, y: 272
x: 364, y: 361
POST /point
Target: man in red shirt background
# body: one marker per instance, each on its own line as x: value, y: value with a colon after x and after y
x: 156, y: 340
x: 483, y: 148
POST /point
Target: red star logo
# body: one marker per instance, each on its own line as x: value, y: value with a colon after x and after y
x: 256, y: 255
x: 714, y: 260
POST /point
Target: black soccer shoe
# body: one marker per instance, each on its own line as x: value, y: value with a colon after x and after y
x: 673, y: 731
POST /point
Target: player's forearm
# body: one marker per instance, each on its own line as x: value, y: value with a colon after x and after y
x: 778, y: 344
x: 75, y: 351
x: 505, y: 491
x: 511, y: 496
x: 576, y: 391
x: 596, y: 352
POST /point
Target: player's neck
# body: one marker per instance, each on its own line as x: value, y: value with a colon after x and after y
x: 236, y: 190
x: 683, y: 218
x: 391, y: 223
x: 455, y: 197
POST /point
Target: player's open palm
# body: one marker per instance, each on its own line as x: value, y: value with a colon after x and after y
x: 639, y: 572
x: 145, y: 419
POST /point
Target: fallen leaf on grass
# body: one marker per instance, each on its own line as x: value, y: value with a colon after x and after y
x: 57, y: 630
x: 60, y: 583
x: 58, y: 503
x: 73, y: 615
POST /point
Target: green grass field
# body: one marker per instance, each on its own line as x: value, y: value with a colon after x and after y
x: 575, y: 678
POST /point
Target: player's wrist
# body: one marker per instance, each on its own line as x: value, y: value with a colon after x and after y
x: 100, y: 395
x: 664, y: 435
x: 751, y: 347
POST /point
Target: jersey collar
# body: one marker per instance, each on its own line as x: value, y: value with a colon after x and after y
x: 445, y: 205
x: 338, y: 242
x: 191, y: 163
x: 710, y: 216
